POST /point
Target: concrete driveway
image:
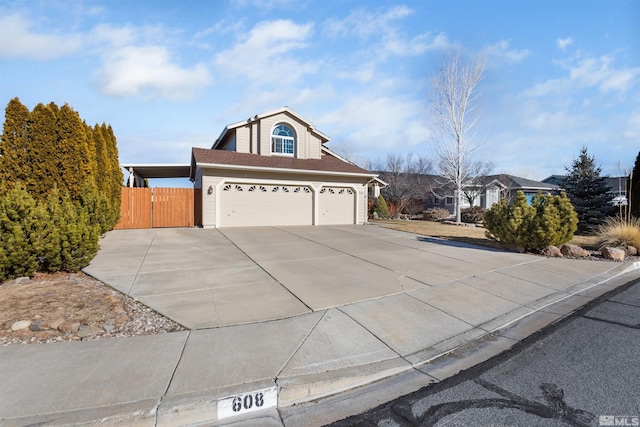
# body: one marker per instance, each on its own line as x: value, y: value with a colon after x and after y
x: 204, y: 278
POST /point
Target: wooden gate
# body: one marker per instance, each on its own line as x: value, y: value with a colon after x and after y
x: 156, y: 208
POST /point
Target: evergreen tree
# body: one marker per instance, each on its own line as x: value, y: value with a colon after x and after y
x: 588, y: 192
x: 633, y: 189
x: 75, y: 161
x: 44, y: 155
x: 14, y: 143
x: 17, y: 257
x: 115, y: 176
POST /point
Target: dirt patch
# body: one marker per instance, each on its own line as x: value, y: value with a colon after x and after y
x: 72, y: 307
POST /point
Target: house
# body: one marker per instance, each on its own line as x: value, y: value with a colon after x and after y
x: 487, y: 191
x: 617, y: 185
x: 274, y: 169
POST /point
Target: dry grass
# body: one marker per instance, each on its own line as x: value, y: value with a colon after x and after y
x: 620, y: 232
x: 466, y: 234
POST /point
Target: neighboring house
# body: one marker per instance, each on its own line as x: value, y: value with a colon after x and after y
x: 488, y: 191
x: 273, y: 169
x: 617, y: 185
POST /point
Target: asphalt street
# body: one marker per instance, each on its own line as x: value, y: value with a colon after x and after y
x: 581, y: 371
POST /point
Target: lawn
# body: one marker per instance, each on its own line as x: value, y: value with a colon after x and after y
x: 466, y: 234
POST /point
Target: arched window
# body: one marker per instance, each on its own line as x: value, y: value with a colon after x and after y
x: 282, y: 140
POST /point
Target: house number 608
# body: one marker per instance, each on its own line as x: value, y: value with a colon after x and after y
x: 247, y: 401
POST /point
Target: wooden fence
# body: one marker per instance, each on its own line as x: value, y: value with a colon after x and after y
x: 156, y: 208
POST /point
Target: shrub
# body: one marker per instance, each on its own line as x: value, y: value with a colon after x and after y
x: 51, y: 235
x: 435, y: 214
x: 380, y: 207
x: 17, y: 257
x: 472, y: 215
x: 549, y: 220
x: 620, y: 232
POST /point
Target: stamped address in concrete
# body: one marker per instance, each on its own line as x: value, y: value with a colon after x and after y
x: 247, y: 402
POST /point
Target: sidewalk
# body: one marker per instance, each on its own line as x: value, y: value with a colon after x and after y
x: 351, y: 355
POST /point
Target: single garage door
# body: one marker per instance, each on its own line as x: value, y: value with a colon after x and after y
x: 336, y: 206
x: 263, y: 205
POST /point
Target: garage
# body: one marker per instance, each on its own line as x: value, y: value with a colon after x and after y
x: 336, y: 205
x: 254, y: 204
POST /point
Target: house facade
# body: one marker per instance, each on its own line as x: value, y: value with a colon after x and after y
x: 488, y: 191
x: 273, y: 169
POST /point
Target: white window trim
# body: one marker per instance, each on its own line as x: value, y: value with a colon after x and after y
x: 295, y: 140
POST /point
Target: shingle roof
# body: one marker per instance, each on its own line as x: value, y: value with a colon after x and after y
x: 516, y: 182
x: 327, y: 163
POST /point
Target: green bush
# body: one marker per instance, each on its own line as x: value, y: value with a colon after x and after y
x: 380, y: 207
x: 549, y: 220
x: 17, y: 257
x: 51, y: 235
x: 435, y: 214
x: 472, y: 215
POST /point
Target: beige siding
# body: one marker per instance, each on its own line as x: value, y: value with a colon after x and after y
x: 307, y: 145
x: 209, y: 200
x: 242, y: 139
x: 314, y: 146
x: 254, y: 138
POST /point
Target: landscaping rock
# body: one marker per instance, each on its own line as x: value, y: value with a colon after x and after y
x: 615, y: 254
x: 552, y: 252
x: 38, y: 325
x: 69, y: 327
x: 85, y: 331
x: 574, y: 251
x: 20, y: 324
x: 632, y: 251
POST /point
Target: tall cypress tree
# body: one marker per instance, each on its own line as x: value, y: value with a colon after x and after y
x: 44, y: 155
x: 588, y: 191
x: 633, y: 189
x: 114, y: 171
x: 14, y: 144
x: 75, y: 164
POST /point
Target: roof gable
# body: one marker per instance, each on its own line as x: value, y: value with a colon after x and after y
x: 284, y: 110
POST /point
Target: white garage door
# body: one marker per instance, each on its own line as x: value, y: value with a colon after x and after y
x: 259, y: 204
x: 336, y: 206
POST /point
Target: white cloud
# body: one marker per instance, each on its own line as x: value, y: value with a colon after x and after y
x: 378, y: 123
x: 589, y: 72
x: 19, y: 39
x: 384, y: 25
x: 564, y: 43
x: 149, y: 70
x: 264, y: 55
x: 501, y: 52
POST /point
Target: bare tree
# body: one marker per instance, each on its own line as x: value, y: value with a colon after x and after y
x: 407, y: 178
x: 454, y: 114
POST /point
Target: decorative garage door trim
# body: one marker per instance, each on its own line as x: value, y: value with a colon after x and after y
x: 337, y: 204
x: 289, y: 187
x: 262, y: 202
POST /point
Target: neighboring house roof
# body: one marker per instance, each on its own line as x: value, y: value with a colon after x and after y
x: 517, y: 183
x: 616, y: 183
x: 257, y: 117
x: 230, y: 159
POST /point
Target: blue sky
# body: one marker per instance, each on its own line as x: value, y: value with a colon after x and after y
x: 170, y: 75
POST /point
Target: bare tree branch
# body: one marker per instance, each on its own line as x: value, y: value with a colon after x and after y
x: 454, y: 114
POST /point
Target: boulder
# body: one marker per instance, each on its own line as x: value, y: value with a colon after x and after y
x: 20, y: 324
x: 615, y: 254
x: 574, y: 251
x: 552, y: 252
